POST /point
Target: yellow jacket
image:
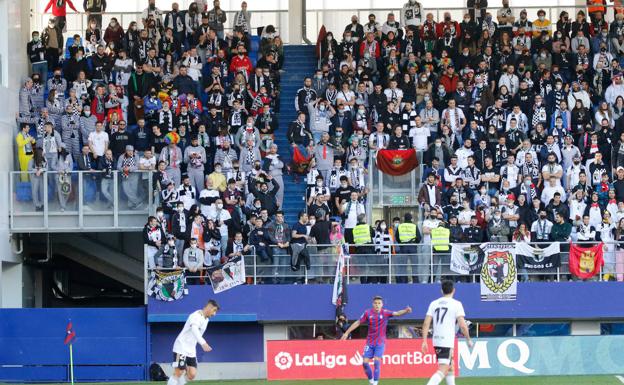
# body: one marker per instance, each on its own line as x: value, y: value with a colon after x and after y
x: 539, y: 26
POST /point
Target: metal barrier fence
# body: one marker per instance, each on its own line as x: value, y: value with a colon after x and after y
x: 87, y: 200
x: 403, y: 263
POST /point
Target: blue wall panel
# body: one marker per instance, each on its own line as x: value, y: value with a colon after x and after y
x: 241, y: 342
x: 536, y: 301
x: 111, y: 344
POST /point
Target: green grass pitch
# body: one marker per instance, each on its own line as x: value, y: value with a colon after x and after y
x: 560, y: 380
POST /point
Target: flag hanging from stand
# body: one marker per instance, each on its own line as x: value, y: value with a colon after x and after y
x: 585, y: 262
x: 339, y: 294
x: 397, y: 162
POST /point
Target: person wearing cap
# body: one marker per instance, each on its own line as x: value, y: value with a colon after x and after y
x: 128, y: 164
x: 510, y: 212
x: 498, y: 229
x: 524, y: 23
x: 172, y: 155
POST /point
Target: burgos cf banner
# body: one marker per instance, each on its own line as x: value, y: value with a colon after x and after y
x: 499, y: 278
x: 317, y: 360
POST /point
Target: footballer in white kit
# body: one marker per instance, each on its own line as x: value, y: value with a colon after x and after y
x: 184, y: 347
x: 444, y: 314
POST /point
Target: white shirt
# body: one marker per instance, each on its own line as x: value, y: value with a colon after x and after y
x: 462, y: 156
x: 217, y: 215
x: 98, y: 141
x: 356, y: 209
x: 549, y: 192
x: 419, y: 137
x: 431, y: 224
x: 444, y: 313
x: 191, y: 335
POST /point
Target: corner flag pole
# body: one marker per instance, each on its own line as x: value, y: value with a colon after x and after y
x: 69, y: 338
x: 71, y: 363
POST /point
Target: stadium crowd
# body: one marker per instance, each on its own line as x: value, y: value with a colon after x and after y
x: 519, y: 122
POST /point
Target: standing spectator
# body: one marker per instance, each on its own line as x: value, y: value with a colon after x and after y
x: 37, y: 55
x: 216, y: 19
x: 242, y: 19
x: 94, y: 10
x: 59, y: 11
x: 279, y: 235
x: 127, y: 164
x: 37, y: 166
x: 63, y: 167
x: 350, y: 211
x: 25, y: 148
x: 52, y: 40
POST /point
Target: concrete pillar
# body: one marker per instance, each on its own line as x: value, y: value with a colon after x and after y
x: 14, y: 16
x: 295, y: 12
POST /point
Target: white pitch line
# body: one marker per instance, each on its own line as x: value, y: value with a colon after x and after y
x: 620, y: 378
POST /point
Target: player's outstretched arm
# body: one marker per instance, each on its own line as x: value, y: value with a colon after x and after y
x: 200, y: 339
x: 350, y: 330
x: 399, y: 313
x: 425, y: 334
x: 461, y: 321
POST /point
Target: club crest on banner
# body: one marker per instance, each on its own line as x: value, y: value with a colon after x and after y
x: 587, y: 261
x: 499, y: 275
x: 167, y: 286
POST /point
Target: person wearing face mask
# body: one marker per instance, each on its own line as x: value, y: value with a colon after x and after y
x: 498, y: 228
x: 37, y: 56
x: 542, y: 24
x: 154, y: 237
x: 540, y: 229
x: 193, y: 258
x: 179, y: 222
x: 321, y: 112
x: 383, y: 240
x: 167, y: 255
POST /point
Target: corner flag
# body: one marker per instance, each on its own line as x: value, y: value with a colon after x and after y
x: 69, y: 333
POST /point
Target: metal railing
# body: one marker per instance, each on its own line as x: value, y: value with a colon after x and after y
x: 334, y: 19
x: 402, y: 263
x: 77, y: 22
x: 80, y: 200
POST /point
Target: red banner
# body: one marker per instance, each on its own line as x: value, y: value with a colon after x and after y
x: 319, y: 360
x: 585, y: 262
x: 396, y: 162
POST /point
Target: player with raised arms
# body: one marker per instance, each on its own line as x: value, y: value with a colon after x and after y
x: 377, y: 319
x: 184, y: 347
x: 443, y: 314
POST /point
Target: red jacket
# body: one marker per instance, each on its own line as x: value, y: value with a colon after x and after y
x: 452, y: 27
x: 94, y: 105
x: 59, y: 9
x: 241, y: 64
x: 374, y: 45
x: 449, y: 83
